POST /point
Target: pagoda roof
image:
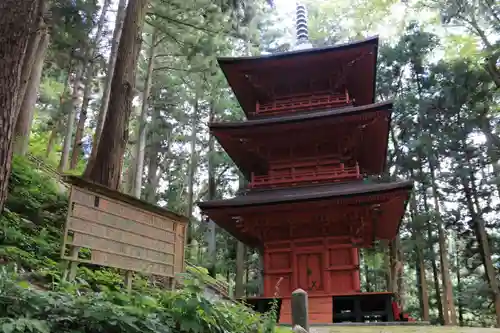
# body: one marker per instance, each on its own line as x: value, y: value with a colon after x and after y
x: 308, y: 192
x: 253, y: 78
x: 226, y: 212
x: 239, y: 139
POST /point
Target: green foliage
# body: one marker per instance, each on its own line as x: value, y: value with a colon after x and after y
x: 97, y: 301
x: 26, y: 309
x: 34, y: 194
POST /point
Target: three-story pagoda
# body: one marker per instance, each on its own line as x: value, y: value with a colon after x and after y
x: 313, y: 135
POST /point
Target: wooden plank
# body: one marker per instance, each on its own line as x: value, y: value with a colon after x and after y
x: 118, y: 235
x: 110, y: 246
x: 103, y: 191
x: 121, y: 235
x: 121, y: 223
x: 133, y: 264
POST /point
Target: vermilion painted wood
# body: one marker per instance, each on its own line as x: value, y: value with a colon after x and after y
x: 259, y: 148
x: 295, y: 176
x: 309, y: 72
x: 309, y: 242
x: 300, y: 102
x: 318, y: 269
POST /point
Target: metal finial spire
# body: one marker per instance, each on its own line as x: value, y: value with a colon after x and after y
x: 301, y: 27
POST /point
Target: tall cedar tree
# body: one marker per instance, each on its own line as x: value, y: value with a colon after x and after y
x: 18, y: 21
x: 107, y: 167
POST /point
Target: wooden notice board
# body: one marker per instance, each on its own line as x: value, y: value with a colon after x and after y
x: 121, y: 231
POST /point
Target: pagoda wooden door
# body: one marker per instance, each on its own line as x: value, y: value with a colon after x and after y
x: 310, y: 272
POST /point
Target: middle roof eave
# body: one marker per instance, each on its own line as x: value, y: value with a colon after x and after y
x: 345, y: 111
x: 305, y: 193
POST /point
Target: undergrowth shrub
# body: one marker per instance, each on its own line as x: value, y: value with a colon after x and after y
x: 33, y: 297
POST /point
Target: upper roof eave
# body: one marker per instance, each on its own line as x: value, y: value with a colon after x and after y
x: 374, y: 40
x: 387, y: 105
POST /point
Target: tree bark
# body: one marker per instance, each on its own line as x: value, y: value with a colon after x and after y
x: 492, y: 144
x: 420, y: 265
x: 141, y: 135
x: 422, y: 122
x: 31, y: 53
x: 154, y: 168
x: 87, y: 82
x: 368, y: 281
x: 450, y: 315
x: 120, y: 17
x: 18, y: 21
x: 82, y: 118
x: 27, y: 110
x: 239, y: 286
x: 52, y: 139
x: 62, y: 105
x: 460, y: 289
x: 107, y: 167
x: 70, y: 123
x: 479, y: 228
x: 193, y: 164
x: 435, y: 273
x: 212, y: 190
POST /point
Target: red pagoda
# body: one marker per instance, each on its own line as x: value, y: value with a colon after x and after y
x: 313, y: 137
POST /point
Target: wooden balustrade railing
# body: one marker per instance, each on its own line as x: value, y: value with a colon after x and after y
x: 298, y: 176
x: 303, y: 103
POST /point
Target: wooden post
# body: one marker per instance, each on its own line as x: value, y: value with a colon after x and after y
x: 128, y: 280
x: 73, y: 266
x: 300, y: 309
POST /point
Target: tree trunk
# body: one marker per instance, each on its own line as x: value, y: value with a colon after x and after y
x: 239, y: 286
x: 367, y: 273
x: 422, y: 122
x: 120, y: 17
x: 107, y: 167
x: 18, y: 22
x: 154, y: 168
x: 70, y: 123
x: 420, y: 265
x: 388, y: 249
x: 460, y: 289
x: 479, y: 228
x: 450, y: 315
x: 52, y: 139
x: 435, y: 272
x: 62, y: 105
x: 82, y: 118
x: 27, y: 110
x: 423, y: 286
x: 493, y: 146
x: 31, y: 53
x: 193, y: 164
x: 212, y: 184
x: 129, y: 173
x: 141, y: 135
x: 260, y: 273
x: 87, y: 82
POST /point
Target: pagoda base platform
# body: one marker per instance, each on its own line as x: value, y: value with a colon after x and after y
x: 334, y: 308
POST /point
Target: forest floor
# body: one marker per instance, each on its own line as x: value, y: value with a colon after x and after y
x: 401, y: 329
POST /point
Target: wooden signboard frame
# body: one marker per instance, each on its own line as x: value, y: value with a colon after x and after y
x: 121, y: 231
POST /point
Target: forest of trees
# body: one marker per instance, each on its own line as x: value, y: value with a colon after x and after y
x: 122, y: 94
